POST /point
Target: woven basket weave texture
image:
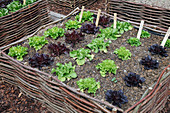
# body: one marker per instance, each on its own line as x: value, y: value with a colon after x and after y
x: 23, y: 22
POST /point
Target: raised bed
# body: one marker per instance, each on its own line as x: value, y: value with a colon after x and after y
x: 157, y: 18
x: 60, y: 97
x: 23, y: 22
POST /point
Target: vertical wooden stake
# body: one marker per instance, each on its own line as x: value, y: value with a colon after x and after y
x: 115, y: 20
x: 166, y: 37
x: 140, y: 29
x: 24, y: 2
x: 150, y: 89
x: 114, y: 110
x: 81, y: 14
x: 98, y: 17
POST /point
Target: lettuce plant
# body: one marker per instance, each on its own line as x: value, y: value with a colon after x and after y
x: 87, y: 16
x: 116, y: 97
x: 40, y: 60
x: 64, y: 72
x: 37, y: 42
x: 98, y: 44
x: 123, y: 53
x: 145, y: 34
x: 74, y: 37
x: 167, y: 44
x: 88, y: 83
x: 109, y: 33
x: 149, y: 63
x: 70, y: 24
x: 58, y: 49
x: 107, y: 66
x: 89, y: 28
x: 157, y: 49
x: 14, y: 6
x: 80, y: 55
x: 134, y: 41
x: 132, y: 79
x: 123, y: 26
x: 54, y: 32
x: 18, y: 51
x: 3, y: 12
x: 103, y: 21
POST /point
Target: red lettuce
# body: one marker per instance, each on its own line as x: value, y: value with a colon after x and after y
x: 103, y: 21
x: 116, y: 97
x: 57, y: 50
x: 133, y: 80
x: 149, y: 63
x: 40, y: 60
x: 73, y: 38
x: 89, y: 28
x: 157, y: 49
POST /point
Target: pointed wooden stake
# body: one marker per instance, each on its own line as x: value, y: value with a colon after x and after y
x: 166, y: 37
x: 98, y: 17
x: 24, y: 2
x: 115, y: 20
x: 114, y: 110
x: 140, y: 29
x: 81, y: 14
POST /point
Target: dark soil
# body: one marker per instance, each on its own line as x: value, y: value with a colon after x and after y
x: 100, y: 4
x: 89, y: 70
x: 12, y: 101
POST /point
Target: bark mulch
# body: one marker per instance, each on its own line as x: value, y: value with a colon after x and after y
x: 13, y: 101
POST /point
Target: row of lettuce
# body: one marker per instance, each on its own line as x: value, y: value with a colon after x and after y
x: 99, y: 44
x: 14, y: 6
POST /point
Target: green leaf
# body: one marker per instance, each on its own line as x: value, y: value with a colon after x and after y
x: 54, y: 32
x: 167, y: 44
x: 145, y: 34
x: 109, y: 33
x: 37, y: 42
x: 14, y: 6
x: 107, y: 66
x: 61, y: 78
x: 80, y: 62
x: 123, y: 53
x: 73, y: 53
x: 3, y: 12
x: 73, y: 75
x: 80, y: 55
x: 87, y: 16
x: 98, y: 44
x: 70, y: 24
x: 122, y: 27
x: 64, y: 72
x: 88, y: 83
x: 18, y: 51
x: 134, y: 41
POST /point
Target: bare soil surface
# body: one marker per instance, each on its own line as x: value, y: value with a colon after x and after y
x: 89, y: 68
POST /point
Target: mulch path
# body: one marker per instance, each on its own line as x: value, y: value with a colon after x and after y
x: 12, y: 101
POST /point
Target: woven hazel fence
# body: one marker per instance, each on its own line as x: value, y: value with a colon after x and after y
x: 23, y: 22
x: 61, y: 98
x: 157, y: 18
x: 72, y: 3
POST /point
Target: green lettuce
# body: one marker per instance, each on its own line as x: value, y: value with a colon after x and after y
x: 65, y: 72
x: 80, y: 55
x: 107, y: 66
x: 123, y: 53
